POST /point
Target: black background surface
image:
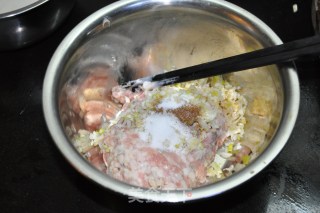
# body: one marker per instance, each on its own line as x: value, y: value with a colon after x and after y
x: 35, y: 177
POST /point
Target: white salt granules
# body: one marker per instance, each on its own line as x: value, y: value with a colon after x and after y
x: 174, y: 101
x: 164, y: 131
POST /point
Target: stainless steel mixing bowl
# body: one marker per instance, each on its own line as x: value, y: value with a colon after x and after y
x: 177, y: 33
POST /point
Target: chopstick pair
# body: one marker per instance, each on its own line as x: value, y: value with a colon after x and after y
x: 270, y: 55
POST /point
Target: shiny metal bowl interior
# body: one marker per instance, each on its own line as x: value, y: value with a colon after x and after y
x: 180, y: 33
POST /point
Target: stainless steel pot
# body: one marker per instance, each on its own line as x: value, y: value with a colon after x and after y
x: 23, y: 26
x: 188, y: 32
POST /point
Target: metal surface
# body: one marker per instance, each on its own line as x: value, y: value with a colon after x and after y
x: 36, y: 177
x: 316, y: 15
x: 250, y: 30
x: 22, y: 27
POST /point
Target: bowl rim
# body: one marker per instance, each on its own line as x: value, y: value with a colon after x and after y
x: 51, y: 114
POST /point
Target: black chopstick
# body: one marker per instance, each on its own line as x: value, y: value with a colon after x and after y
x: 270, y: 55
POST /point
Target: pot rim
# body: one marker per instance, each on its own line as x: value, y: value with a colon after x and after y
x: 23, y: 9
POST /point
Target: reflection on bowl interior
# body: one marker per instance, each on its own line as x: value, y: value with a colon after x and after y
x: 150, y: 43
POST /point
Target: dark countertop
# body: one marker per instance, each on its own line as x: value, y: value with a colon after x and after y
x: 35, y: 177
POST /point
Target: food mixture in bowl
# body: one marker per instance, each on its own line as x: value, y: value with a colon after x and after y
x: 175, y: 137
